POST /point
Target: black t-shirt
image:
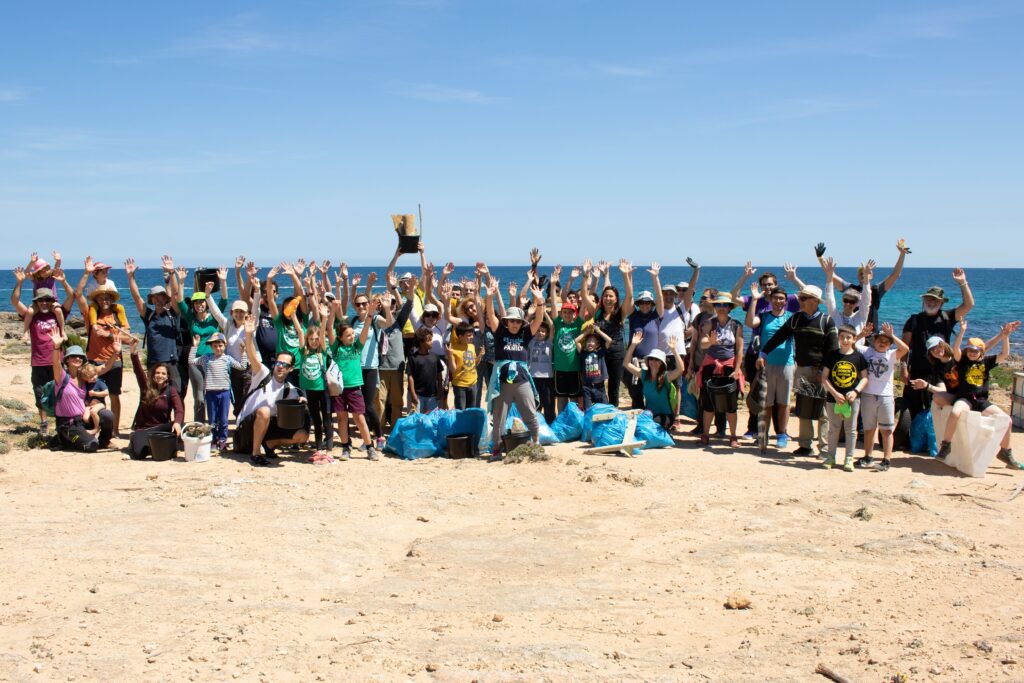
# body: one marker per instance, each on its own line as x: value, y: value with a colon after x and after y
x: 974, y: 376
x: 423, y: 368
x: 922, y: 327
x: 595, y: 372
x: 612, y: 326
x: 508, y: 346
x: 947, y: 373
x: 844, y: 371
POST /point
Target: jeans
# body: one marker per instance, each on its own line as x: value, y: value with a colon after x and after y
x: 465, y: 397
x: 428, y: 404
x: 593, y: 393
x: 217, y: 404
x: 546, y: 392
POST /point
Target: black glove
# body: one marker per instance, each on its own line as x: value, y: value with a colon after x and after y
x: 819, y: 249
x: 693, y: 264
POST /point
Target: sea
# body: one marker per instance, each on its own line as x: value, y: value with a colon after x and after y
x: 998, y: 292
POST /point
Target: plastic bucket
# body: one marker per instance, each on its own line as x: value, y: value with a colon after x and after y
x: 291, y: 414
x: 724, y: 394
x: 163, y: 445
x: 408, y: 244
x: 460, y: 446
x: 810, y: 407
x: 513, y: 439
x: 197, y: 448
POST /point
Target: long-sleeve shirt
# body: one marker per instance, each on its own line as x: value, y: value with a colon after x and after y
x: 857, y: 320
x: 160, y: 411
x: 216, y: 369
x: 813, y: 336
x: 234, y: 334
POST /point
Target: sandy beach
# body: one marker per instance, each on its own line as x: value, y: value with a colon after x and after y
x: 583, y: 567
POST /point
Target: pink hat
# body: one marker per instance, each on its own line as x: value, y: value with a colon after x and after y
x: 100, y: 265
x: 37, y: 265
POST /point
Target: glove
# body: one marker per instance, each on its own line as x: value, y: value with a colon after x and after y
x: 690, y: 262
x: 819, y: 249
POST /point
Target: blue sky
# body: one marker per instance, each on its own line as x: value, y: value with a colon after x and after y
x: 650, y: 130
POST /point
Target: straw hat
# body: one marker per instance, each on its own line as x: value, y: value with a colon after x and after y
x: 723, y: 298
x: 810, y: 290
x: 43, y: 293
x: 107, y: 288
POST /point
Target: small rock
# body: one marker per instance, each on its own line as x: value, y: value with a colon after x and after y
x: 94, y: 589
x: 431, y: 667
x: 983, y: 645
x: 919, y: 484
x: 863, y: 513
x: 1007, y: 660
x: 37, y: 668
x: 422, y: 519
x: 91, y: 610
x: 152, y: 477
x: 738, y: 601
x: 916, y: 643
x: 661, y: 633
x: 498, y: 618
x: 350, y: 622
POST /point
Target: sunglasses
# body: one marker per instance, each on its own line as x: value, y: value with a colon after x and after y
x: 722, y: 305
x: 281, y: 364
x: 849, y: 301
x: 359, y: 304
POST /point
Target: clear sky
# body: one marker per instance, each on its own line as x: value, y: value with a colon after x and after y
x: 650, y: 130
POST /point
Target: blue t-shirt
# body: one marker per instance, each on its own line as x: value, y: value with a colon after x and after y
x: 371, y: 357
x: 161, y: 337
x: 656, y: 401
x: 649, y: 324
x: 783, y: 355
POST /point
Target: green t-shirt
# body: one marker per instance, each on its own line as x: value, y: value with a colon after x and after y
x: 287, y: 336
x: 350, y: 362
x: 564, y: 357
x: 204, y: 328
x: 312, y: 367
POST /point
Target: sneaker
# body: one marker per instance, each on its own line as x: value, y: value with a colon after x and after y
x: 804, y: 450
x: 259, y: 461
x: 372, y: 453
x: 883, y: 466
x: 44, y: 427
x: 944, y: 450
x: 749, y: 436
x: 827, y: 463
x: 848, y: 465
x: 346, y: 453
x: 782, y: 441
x: 1006, y: 455
x: 865, y: 462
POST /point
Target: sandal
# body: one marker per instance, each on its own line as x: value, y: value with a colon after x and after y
x: 704, y: 440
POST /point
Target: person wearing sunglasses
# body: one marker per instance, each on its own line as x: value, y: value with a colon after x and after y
x: 877, y: 291
x: 813, y: 335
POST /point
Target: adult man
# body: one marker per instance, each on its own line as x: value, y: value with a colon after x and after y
x: 778, y: 366
x: 257, y: 423
x: 877, y: 291
x: 160, y: 320
x: 674, y: 317
x: 814, y: 335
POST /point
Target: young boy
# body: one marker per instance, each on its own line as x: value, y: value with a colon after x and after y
x: 844, y: 377
x: 96, y: 393
x: 423, y: 373
x: 877, y: 404
x: 565, y: 358
x: 539, y: 354
x: 592, y: 345
x: 216, y: 369
x: 463, y: 358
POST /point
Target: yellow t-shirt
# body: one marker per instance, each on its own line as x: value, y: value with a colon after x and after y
x: 464, y: 360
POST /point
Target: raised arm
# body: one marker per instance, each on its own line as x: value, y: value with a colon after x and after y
x: 748, y: 271
x: 56, y: 360
x: 867, y: 273
x: 897, y: 270
x: 753, y: 321
x: 960, y: 277
x: 1004, y: 350
x: 687, y: 296
x: 789, y: 272
x: 553, y: 296
x: 588, y: 306
x: 19, y: 278
x: 659, y: 303
x: 537, y: 314
x: 133, y: 286
x: 829, y: 266
x: 492, y: 319
x: 626, y: 268
x: 638, y: 337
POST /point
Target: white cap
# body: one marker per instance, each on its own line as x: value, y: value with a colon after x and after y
x: 430, y: 308
x: 810, y: 290
x: 645, y: 296
x: 659, y: 354
x: 405, y: 276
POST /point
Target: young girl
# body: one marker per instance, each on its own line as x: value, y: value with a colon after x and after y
x: 216, y: 370
x: 657, y: 382
x: 347, y: 352
x: 722, y: 342
x: 41, y: 275
x: 424, y: 376
x: 591, y: 345
x: 463, y: 357
x: 539, y: 350
x: 312, y: 361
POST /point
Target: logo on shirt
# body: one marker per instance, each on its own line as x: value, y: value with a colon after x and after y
x: 843, y: 375
x: 975, y: 375
x: 878, y: 366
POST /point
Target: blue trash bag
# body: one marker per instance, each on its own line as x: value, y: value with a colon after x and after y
x: 444, y: 420
x: 922, y: 434
x: 416, y: 434
x: 588, y: 418
x: 610, y: 432
x: 470, y: 421
x: 688, y: 405
x: 568, y: 426
x: 544, y: 432
x: 653, y: 433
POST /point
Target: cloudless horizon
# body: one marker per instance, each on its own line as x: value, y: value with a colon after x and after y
x: 651, y: 131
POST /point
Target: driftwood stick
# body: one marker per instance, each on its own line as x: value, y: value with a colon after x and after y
x: 830, y: 674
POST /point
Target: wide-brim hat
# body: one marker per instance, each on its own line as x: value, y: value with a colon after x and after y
x: 43, y: 293
x: 682, y: 285
x: 431, y: 308
x: 153, y: 291
x: 75, y: 350
x: 658, y: 354
x: 37, y: 265
x: 723, y: 299
x: 644, y: 296
x: 514, y: 313
x: 936, y: 293
x: 107, y: 288
x: 810, y: 290
x: 100, y: 266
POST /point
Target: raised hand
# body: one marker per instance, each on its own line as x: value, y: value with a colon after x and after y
x: 325, y: 266
x: 672, y: 344
x: 481, y: 269
x: 130, y: 267
x: 959, y: 276
x: 222, y: 273
x: 1010, y: 328
x: 89, y: 267
x: 790, y: 270
x: 693, y: 264
x: 868, y: 328
x: 356, y: 279
x: 902, y: 246
x: 829, y: 266
x: 534, y: 257
x: 56, y: 255
x: 58, y: 275
x: 343, y: 271
x: 182, y: 274
x: 392, y: 280
x: 386, y: 299
x: 638, y: 337
x: 274, y: 272
x: 208, y: 287
x: 749, y: 269
x: 587, y: 266
x: 239, y: 261
x: 19, y: 274
x: 300, y: 266
x: 755, y: 290
x: 538, y: 296
x: 819, y: 249
x: 167, y: 262
x: 575, y: 272
x: 625, y: 267
x: 449, y: 268
x: 556, y: 273
x: 654, y: 269
x: 867, y: 271
x: 492, y: 287
x: 446, y: 291
x: 250, y: 325
x: 56, y: 338
x: 887, y: 330
x: 371, y: 279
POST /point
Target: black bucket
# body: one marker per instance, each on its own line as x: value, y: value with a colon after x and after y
x: 461, y: 446
x: 408, y: 244
x: 810, y: 407
x: 163, y: 445
x: 724, y: 394
x: 291, y: 414
x: 513, y: 439
x: 204, y: 275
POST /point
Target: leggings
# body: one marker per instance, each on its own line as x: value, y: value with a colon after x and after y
x: 320, y: 413
x: 198, y: 381
x: 614, y: 363
x: 546, y: 392
x: 369, y: 389
x: 521, y: 395
x: 483, y: 378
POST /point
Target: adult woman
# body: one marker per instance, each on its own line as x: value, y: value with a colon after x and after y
x: 160, y: 407
x: 69, y: 398
x: 609, y: 316
x: 196, y: 315
x: 160, y: 321
x: 105, y: 336
x: 722, y: 342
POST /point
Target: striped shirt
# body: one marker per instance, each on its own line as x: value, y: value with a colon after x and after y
x: 216, y: 370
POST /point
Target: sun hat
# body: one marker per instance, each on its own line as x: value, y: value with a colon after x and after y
x: 198, y: 296
x: 405, y: 276
x: 240, y: 306
x: 811, y: 291
x: 74, y: 351
x: 37, y: 265
x: 514, y: 313
x: 100, y: 265
x: 659, y: 354
x: 153, y: 291
x: 936, y: 293
x: 723, y: 299
x: 430, y: 308
x: 933, y: 341
x: 43, y: 293
x: 976, y: 343
x: 682, y: 285
x: 107, y: 288
x: 644, y: 296
x: 216, y: 337
x: 668, y: 287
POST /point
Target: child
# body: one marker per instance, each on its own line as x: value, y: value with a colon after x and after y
x: 565, y: 358
x: 44, y: 287
x: 843, y: 376
x: 423, y: 373
x: 99, y: 273
x: 96, y: 393
x: 539, y: 354
x: 974, y: 369
x: 657, y: 381
x: 216, y: 369
x: 591, y: 345
x: 312, y: 361
x: 463, y: 357
x: 877, y: 403
x: 347, y: 352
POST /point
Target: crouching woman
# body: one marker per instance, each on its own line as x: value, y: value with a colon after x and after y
x: 69, y: 394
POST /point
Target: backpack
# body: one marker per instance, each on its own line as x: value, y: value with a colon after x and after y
x: 50, y: 396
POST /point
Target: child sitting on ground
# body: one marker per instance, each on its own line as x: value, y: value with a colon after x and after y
x: 591, y: 346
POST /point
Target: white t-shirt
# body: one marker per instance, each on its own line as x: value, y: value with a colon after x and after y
x: 673, y: 325
x: 268, y: 396
x: 880, y: 370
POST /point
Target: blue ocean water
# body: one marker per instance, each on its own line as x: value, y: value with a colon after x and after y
x: 998, y: 292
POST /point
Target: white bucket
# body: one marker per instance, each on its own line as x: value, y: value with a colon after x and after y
x: 197, y: 449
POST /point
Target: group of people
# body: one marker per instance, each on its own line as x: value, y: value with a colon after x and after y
x: 360, y: 357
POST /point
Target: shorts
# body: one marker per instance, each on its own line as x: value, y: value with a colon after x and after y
x: 41, y: 374
x: 878, y: 412
x: 780, y: 384
x: 243, y: 432
x: 568, y: 383
x: 977, y: 405
x: 350, y: 400
x: 112, y: 378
